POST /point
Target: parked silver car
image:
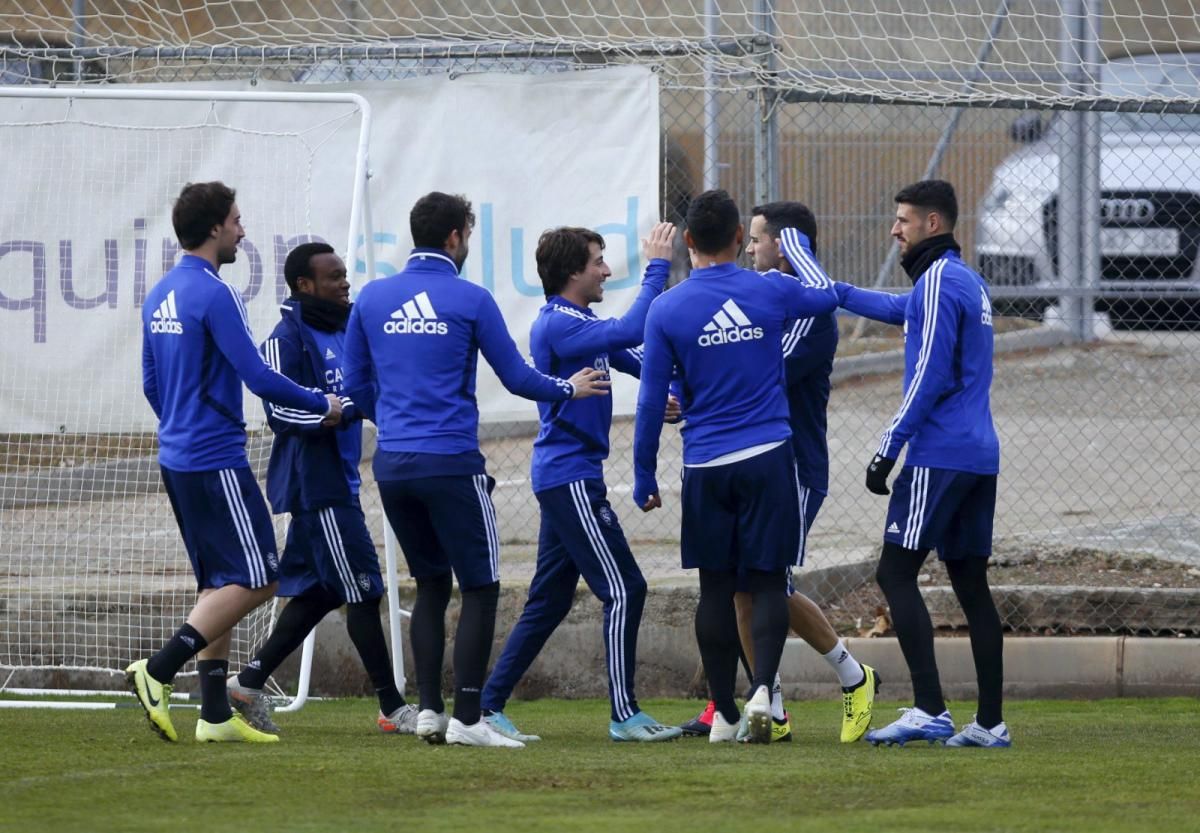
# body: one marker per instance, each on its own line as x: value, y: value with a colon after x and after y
x: 1149, y: 207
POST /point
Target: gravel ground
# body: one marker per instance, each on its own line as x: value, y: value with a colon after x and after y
x: 1099, y: 451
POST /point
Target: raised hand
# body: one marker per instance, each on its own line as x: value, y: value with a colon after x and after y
x: 660, y: 242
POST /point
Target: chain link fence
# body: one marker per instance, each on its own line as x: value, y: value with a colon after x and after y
x: 1096, y: 526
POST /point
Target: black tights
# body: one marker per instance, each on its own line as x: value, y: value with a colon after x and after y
x: 717, y: 633
x: 897, y: 577
x: 472, y: 643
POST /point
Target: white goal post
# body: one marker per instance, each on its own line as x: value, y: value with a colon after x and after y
x: 92, y: 570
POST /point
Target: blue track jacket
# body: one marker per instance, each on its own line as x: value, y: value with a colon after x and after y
x: 572, y: 440
x: 412, y: 349
x: 196, y: 352
x: 721, y: 329
x: 945, y: 417
x: 311, y: 467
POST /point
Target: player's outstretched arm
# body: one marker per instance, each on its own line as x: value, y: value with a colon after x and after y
x: 871, y: 303
x: 284, y: 356
x: 657, y: 364
x: 226, y: 320
x: 516, y: 374
x: 580, y: 335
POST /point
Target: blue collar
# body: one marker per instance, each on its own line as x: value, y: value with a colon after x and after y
x: 196, y: 262
x: 719, y: 271
x: 433, y: 259
x: 558, y: 299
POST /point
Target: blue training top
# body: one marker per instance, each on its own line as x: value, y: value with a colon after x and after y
x: 721, y: 330
x: 412, y: 349
x: 945, y: 417
x: 572, y: 440
x: 312, y: 467
x: 197, y: 351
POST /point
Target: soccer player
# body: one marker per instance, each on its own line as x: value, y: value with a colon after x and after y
x: 945, y: 495
x: 329, y: 559
x: 580, y: 534
x: 197, y: 351
x: 721, y: 329
x: 412, y: 347
x: 809, y: 345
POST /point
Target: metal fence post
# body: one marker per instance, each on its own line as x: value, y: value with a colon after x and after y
x: 1079, y: 170
x: 766, y: 133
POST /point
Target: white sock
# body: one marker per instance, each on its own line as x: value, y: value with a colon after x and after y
x: 847, y: 668
x: 777, y: 699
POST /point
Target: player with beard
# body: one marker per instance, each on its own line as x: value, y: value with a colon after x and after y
x: 412, y: 349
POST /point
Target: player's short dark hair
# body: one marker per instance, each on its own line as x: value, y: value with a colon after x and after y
x: 435, y: 215
x: 563, y: 252
x: 199, y: 207
x: 712, y: 221
x: 932, y: 195
x: 788, y: 214
x: 299, y: 262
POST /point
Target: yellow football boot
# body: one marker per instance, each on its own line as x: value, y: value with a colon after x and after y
x: 233, y: 730
x: 857, y: 704
x: 154, y: 696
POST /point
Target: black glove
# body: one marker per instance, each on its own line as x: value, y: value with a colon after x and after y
x: 877, y: 475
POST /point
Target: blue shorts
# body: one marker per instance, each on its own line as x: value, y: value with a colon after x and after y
x: 744, y: 515
x: 446, y: 524
x: 332, y: 549
x: 811, y: 502
x: 226, y: 526
x: 950, y: 511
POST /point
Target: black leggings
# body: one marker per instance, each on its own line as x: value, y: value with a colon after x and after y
x: 897, y: 577
x: 717, y: 633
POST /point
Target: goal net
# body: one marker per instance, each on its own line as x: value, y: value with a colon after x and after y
x: 92, y: 569
x: 884, y: 50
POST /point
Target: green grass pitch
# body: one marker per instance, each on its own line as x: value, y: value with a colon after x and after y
x: 1115, y: 765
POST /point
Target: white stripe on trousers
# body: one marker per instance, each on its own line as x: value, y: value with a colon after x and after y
x: 489, y: 523
x: 802, y: 499
x: 333, y: 539
x: 919, y: 491
x: 616, y: 590
x: 245, y: 530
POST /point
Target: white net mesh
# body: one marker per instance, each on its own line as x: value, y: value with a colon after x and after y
x: 917, y: 50
x: 92, y: 568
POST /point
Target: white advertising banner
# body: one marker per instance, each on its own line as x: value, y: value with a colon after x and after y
x: 86, y: 229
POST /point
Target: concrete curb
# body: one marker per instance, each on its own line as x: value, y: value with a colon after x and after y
x: 572, y: 663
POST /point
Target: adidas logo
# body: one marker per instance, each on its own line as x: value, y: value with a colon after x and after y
x: 165, y: 319
x: 893, y: 528
x: 329, y: 354
x: 416, y: 316
x: 728, y: 326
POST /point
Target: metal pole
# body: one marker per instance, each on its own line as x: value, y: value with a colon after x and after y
x: 1091, y: 148
x: 79, y: 13
x: 943, y: 142
x: 766, y: 134
x: 1070, y: 144
x: 712, y: 112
